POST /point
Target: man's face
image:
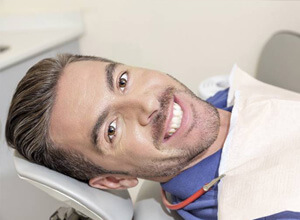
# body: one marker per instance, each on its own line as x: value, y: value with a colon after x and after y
x: 130, y: 119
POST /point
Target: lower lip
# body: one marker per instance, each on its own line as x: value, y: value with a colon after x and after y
x: 184, y: 120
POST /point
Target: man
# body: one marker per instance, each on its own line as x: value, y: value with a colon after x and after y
x: 108, y: 124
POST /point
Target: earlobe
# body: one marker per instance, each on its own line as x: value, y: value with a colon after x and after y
x: 129, y: 182
x: 113, y: 182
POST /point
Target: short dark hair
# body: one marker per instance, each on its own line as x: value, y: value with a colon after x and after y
x: 27, y: 125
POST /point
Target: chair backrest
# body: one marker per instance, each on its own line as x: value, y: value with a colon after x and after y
x: 279, y: 63
x: 94, y: 203
x: 149, y: 205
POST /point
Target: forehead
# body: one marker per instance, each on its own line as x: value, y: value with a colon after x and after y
x: 81, y: 94
x: 86, y: 76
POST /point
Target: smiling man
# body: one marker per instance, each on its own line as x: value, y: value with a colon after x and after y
x: 132, y: 120
x: 107, y: 124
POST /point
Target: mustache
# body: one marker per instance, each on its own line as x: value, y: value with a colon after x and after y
x: 161, y: 117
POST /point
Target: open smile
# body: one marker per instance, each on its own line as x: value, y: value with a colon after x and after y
x: 174, y: 120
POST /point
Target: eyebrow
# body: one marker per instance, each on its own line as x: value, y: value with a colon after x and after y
x: 109, y: 72
x: 101, y: 119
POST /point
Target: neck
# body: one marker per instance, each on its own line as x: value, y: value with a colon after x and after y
x: 217, y: 145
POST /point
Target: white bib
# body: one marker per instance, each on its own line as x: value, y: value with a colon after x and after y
x: 261, y: 155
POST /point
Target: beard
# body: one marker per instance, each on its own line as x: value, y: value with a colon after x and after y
x: 206, y: 130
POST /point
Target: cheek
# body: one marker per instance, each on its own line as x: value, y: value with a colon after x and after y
x: 138, y: 144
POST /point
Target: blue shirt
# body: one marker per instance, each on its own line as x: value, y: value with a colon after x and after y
x: 191, y: 180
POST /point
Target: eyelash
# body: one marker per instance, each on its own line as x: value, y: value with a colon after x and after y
x: 123, y: 77
x: 113, y: 125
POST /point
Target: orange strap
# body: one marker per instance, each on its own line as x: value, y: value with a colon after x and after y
x: 192, y: 198
x: 183, y: 203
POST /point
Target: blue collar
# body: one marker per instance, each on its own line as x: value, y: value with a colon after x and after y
x: 192, y: 179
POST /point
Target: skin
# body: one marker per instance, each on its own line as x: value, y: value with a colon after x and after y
x: 141, y: 111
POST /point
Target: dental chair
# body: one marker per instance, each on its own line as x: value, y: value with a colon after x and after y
x: 86, y: 203
x: 83, y: 201
x: 149, y: 206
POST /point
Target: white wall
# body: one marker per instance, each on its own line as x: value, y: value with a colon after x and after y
x: 191, y: 39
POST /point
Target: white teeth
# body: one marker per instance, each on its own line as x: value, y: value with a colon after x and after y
x: 173, y: 126
x: 176, y: 106
x: 172, y: 130
x: 177, y: 112
x: 176, y: 120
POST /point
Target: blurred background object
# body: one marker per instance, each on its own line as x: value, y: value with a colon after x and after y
x: 279, y: 63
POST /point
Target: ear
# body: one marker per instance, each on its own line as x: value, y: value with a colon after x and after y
x: 109, y: 181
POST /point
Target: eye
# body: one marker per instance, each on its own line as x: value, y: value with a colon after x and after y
x: 123, y: 81
x: 111, y: 131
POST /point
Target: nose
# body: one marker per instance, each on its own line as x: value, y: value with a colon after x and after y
x: 141, y: 107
